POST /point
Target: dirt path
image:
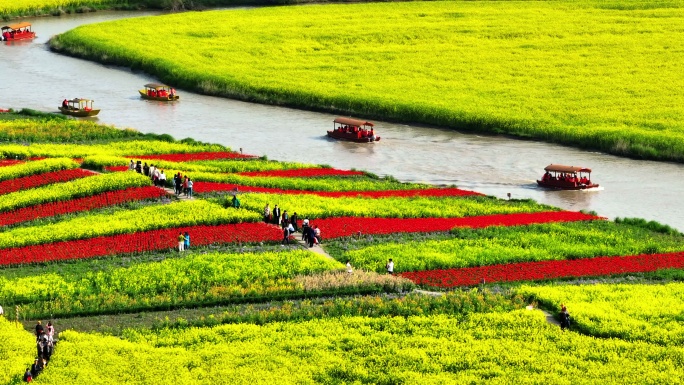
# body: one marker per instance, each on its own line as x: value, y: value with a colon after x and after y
x: 315, y: 249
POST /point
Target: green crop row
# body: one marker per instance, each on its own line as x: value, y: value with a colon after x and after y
x: 17, y: 351
x: 632, y: 312
x: 214, y: 166
x: 595, y: 74
x: 133, y: 147
x: 73, y: 189
x: 313, y: 206
x: 501, y: 245
x: 49, y: 129
x: 186, y: 213
x: 36, y: 167
x: 515, y: 347
x: 195, y: 280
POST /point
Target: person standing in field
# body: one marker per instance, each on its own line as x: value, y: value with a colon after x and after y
x: 267, y: 213
x: 349, y: 268
x: 131, y: 166
x: 181, y: 242
x: 186, y: 241
x: 390, y: 266
x: 564, y: 318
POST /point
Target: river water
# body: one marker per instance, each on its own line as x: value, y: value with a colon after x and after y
x: 32, y: 76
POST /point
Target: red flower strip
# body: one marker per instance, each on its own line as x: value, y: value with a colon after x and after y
x: 116, y: 168
x: 303, y: 173
x: 205, y: 187
x: 37, y: 180
x: 194, y: 156
x: 80, y: 204
x: 9, y: 162
x: 141, y: 242
x: 347, y: 226
x: 528, y: 271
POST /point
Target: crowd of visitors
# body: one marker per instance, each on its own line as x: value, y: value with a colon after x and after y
x: 45, y: 345
x: 182, y: 183
x: 290, y: 225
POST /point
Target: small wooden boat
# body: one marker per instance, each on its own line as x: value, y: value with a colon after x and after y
x: 78, y: 107
x: 19, y: 31
x: 161, y: 92
x: 353, y: 130
x: 562, y: 177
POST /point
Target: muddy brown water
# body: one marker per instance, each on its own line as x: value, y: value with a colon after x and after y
x: 32, y: 76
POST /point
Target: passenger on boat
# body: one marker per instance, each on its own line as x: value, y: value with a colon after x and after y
x: 173, y: 92
x: 65, y: 104
x: 162, y: 93
x: 546, y: 177
x: 584, y: 180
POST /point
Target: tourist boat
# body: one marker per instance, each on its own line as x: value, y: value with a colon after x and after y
x: 161, y: 92
x: 19, y: 31
x: 562, y: 177
x: 353, y: 130
x: 78, y: 107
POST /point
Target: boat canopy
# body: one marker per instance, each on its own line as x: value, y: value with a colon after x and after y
x: 156, y: 86
x: 352, y: 122
x: 17, y: 26
x: 562, y: 168
x: 78, y: 100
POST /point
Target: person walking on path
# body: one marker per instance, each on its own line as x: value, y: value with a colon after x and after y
x: 286, y: 236
x: 293, y: 221
x: 181, y: 242
x: 390, y: 266
x: 310, y: 236
x: 39, y: 329
x: 190, y: 184
x: 564, y: 318
x: 186, y: 241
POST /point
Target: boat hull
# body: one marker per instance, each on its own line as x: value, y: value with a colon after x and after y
x: 350, y: 137
x: 78, y: 113
x: 561, y: 185
x: 22, y: 36
x: 144, y: 95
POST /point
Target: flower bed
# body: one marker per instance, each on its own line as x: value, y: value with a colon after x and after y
x: 195, y: 156
x: 347, y: 226
x: 305, y: 172
x: 140, y: 242
x: 82, y: 204
x: 37, y: 180
x: 206, y: 187
x: 547, y: 270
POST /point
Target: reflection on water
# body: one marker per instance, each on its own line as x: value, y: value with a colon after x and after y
x: 34, y: 77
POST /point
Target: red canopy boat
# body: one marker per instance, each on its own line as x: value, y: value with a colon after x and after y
x: 353, y: 130
x: 562, y: 177
x: 19, y: 31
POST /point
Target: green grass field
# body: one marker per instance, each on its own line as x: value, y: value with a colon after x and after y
x: 590, y: 73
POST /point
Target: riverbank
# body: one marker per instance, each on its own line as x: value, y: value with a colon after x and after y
x: 594, y: 84
x: 37, y: 8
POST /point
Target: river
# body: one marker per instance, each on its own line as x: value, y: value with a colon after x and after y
x: 32, y: 76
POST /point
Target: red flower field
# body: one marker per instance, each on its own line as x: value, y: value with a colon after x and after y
x: 80, y: 204
x: 194, y: 156
x: 37, y: 180
x: 140, y: 242
x: 528, y: 271
x: 206, y: 187
x: 303, y: 173
x: 348, y: 226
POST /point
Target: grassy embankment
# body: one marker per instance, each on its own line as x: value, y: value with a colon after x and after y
x: 32, y: 8
x: 590, y: 74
